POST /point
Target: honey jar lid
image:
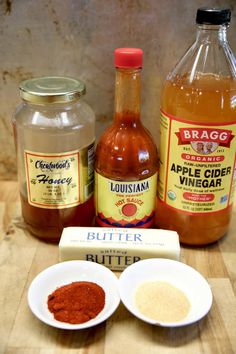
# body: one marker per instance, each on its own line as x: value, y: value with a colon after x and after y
x: 51, y: 89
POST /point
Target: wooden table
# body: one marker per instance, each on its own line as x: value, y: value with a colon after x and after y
x: 22, y: 257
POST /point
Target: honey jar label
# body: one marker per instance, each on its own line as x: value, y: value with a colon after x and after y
x: 59, y: 180
x: 125, y: 204
x: 197, y: 160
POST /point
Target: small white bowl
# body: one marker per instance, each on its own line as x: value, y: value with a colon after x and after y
x: 178, y: 274
x: 64, y: 273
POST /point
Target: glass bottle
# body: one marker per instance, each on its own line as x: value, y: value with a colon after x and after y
x: 126, y: 155
x: 54, y: 133
x: 197, y: 140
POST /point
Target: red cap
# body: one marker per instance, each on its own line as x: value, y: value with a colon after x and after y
x: 128, y: 58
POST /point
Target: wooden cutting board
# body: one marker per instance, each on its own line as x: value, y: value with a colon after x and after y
x: 22, y: 257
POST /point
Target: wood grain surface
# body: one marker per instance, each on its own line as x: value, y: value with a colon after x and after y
x: 22, y: 257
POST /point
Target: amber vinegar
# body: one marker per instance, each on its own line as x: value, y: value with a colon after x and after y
x: 193, y: 104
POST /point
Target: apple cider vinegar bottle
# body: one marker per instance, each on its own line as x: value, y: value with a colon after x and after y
x: 198, y: 136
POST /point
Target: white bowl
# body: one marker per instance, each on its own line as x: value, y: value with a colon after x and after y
x: 64, y: 273
x: 180, y: 275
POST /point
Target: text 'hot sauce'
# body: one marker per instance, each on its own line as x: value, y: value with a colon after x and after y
x: 126, y: 155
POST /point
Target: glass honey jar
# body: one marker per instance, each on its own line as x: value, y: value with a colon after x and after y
x: 54, y: 130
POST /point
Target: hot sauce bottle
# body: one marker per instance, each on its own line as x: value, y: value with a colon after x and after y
x: 198, y: 136
x: 126, y: 155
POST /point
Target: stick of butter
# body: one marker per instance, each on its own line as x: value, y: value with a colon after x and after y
x: 117, y: 248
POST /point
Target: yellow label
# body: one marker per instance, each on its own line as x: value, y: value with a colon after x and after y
x: 197, y: 165
x: 129, y: 204
x: 59, y: 180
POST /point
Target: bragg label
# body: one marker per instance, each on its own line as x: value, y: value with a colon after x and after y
x: 125, y: 204
x: 221, y: 136
x: 197, y: 173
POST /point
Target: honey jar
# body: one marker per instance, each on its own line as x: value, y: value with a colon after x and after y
x: 54, y: 130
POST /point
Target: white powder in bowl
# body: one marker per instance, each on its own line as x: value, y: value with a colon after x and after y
x: 161, y: 301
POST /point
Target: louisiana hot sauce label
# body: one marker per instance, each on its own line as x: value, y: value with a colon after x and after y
x: 197, y: 165
x: 125, y: 204
x: 59, y: 180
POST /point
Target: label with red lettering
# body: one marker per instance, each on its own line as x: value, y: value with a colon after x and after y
x: 197, y: 165
x: 59, y: 180
x: 125, y: 204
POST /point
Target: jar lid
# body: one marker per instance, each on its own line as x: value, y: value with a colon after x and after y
x: 51, y: 89
x: 213, y: 16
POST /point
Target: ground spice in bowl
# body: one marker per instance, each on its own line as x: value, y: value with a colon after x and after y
x: 77, y: 302
x: 161, y: 301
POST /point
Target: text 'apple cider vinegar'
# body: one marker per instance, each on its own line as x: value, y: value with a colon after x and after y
x: 126, y: 155
x: 197, y: 140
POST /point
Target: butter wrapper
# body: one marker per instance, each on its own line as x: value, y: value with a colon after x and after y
x: 117, y: 248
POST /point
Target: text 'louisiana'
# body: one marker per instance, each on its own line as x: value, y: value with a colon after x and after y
x: 128, y: 188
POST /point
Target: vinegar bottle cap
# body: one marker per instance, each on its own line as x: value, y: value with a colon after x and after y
x: 128, y: 58
x: 213, y: 16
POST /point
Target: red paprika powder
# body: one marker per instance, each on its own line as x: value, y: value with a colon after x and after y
x: 77, y: 302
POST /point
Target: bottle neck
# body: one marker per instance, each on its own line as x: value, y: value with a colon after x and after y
x: 127, y: 95
x: 212, y: 33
